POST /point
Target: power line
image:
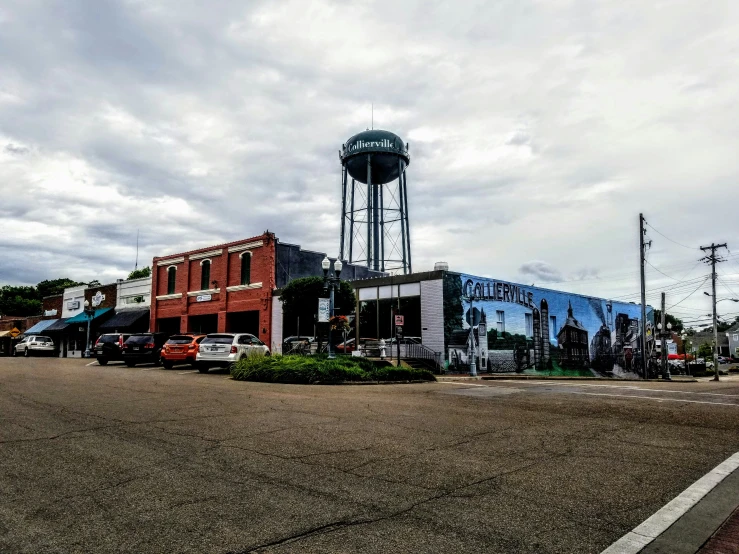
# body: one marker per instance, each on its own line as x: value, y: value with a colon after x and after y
x: 691, y: 294
x: 668, y: 238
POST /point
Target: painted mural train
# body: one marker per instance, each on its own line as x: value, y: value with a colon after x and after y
x: 534, y: 330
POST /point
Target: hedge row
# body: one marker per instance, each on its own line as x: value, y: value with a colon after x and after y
x: 319, y: 369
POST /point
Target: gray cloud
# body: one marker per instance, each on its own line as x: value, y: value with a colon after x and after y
x: 538, y: 130
x: 540, y: 271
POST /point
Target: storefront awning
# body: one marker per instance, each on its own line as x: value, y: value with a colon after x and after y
x: 4, y: 333
x: 40, y: 326
x: 127, y: 320
x: 58, y: 325
x: 82, y: 317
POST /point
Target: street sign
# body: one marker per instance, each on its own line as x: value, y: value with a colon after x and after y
x: 203, y: 298
x: 14, y: 332
x: 399, y: 320
x: 399, y: 331
x: 323, y: 310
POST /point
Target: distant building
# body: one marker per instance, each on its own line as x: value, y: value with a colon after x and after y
x: 573, y: 343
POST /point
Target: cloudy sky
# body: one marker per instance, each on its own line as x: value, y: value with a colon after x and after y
x: 539, y: 129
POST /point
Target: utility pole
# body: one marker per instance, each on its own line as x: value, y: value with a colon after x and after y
x: 712, y: 258
x: 642, y: 246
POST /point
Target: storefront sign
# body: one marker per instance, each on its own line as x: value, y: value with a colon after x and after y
x: 203, y: 298
x: 502, y: 292
x: 49, y: 312
x: 97, y: 299
x: 73, y: 305
x: 323, y: 310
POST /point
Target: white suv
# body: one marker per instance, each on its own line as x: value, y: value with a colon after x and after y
x: 34, y: 344
x: 224, y: 349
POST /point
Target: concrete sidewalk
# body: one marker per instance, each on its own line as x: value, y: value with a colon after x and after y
x: 709, y: 526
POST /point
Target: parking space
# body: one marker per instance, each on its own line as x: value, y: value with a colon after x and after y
x: 148, y: 459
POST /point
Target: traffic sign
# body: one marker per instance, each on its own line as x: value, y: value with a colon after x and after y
x: 399, y: 331
x: 14, y: 332
x: 399, y: 320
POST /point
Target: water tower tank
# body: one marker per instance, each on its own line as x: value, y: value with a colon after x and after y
x: 374, y: 224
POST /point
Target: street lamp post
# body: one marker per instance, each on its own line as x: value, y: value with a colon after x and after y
x: 473, y: 358
x: 664, y: 335
x: 89, y: 313
x: 684, y: 337
x: 331, y: 283
x: 715, y: 325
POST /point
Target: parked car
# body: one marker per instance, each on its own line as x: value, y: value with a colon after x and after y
x: 141, y: 348
x: 724, y: 360
x: 225, y: 349
x: 350, y: 345
x: 34, y: 344
x: 297, y: 345
x: 181, y: 349
x: 109, y: 347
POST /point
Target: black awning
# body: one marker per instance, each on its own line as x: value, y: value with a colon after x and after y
x: 127, y: 320
x: 57, y: 326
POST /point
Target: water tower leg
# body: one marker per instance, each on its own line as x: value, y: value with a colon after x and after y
x: 382, y: 228
x: 402, y: 213
x: 343, y: 213
x: 375, y: 227
x: 351, y: 227
x: 407, y: 226
x: 369, y: 211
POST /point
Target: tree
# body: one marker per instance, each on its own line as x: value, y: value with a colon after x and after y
x: 19, y: 301
x: 705, y: 350
x: 140, y: 273
x: 55, y: 286
x: 677, y: 324
x: 300, y: 299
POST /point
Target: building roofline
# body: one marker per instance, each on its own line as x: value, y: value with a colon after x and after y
x: 263, y: 236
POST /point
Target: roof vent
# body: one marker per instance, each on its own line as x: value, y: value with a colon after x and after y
x: 441, y: 266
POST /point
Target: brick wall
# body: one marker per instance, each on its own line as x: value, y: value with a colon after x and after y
x: 51, y: 303
x: 109, y: 291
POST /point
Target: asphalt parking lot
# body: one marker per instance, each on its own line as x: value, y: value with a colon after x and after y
x: 117, y: 459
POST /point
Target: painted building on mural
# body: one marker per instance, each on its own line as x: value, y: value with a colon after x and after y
x: 514, y: 327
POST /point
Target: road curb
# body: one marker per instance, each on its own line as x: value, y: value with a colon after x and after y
x: 517, y: 377
x: 653, y: 527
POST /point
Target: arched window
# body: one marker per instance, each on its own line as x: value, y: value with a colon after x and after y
x: 246, y: 268
x: 171, y: 279
x: 205, y: 275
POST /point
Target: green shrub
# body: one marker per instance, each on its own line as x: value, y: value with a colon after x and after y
x: 320, y: 369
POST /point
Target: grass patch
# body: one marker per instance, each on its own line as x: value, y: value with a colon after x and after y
x: 319, y: 369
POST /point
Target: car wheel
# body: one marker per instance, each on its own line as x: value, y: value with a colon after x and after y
x: 157, y: 362
x: 26, y: 353
x: 130, y: 363
x: 167, y: 364
x: 102, y: 361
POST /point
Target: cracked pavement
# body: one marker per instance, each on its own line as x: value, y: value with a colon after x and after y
x: 116, y: 459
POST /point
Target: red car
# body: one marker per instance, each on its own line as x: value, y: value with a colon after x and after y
x: 181, y: 349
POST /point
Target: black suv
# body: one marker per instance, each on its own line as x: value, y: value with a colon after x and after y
x: 142, y: 348
x: 110, y: 347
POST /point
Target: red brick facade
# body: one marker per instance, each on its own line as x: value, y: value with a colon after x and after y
x: 232, y: 306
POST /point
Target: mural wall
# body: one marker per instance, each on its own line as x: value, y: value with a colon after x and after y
x: 522, y: 329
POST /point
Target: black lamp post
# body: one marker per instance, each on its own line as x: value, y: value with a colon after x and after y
x: 89, y: 313
x: 331, y: 284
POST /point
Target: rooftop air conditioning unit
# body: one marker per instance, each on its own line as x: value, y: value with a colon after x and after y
x: 441, y: 266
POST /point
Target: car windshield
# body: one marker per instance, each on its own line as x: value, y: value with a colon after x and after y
x: 177, y: 339
x: 43, y: 339
x: 218, y: 339
x: 108, y: 339
x: 139, y: 339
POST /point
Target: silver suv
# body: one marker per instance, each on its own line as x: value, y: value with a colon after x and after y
x: 225, y: 349
x: 34, y: 344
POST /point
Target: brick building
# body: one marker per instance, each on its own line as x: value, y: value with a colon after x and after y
x: 228, y: 287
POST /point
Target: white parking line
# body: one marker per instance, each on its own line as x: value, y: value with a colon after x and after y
x: 91, y: 363
x: 660, y: 521
x: 656, y: 398
x: 186, y: 372
x: 461, y: 383
x: 147, y: 368
x: 629, y: 387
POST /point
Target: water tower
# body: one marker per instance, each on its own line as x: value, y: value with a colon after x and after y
x: 374, y: 206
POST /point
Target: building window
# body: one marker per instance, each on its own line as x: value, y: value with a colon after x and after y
x: 171, y: 279
x: 205, y: 275
x: 246, y: 268
x: 501, y: 321
x: 552, y: 328
x: 529, y: 325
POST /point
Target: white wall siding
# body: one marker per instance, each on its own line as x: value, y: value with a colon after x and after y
x: 276, y: 346
x: 131, y: 290
x: 432, y: 314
